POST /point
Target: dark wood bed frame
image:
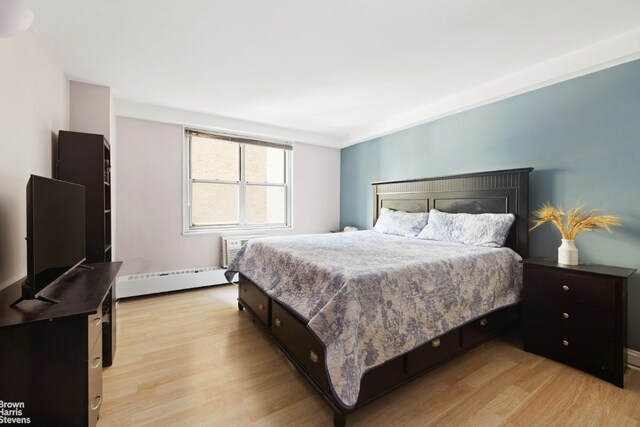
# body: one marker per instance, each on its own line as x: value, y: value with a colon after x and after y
x: 504, y: 191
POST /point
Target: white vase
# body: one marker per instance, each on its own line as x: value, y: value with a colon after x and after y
x: 568, y: 253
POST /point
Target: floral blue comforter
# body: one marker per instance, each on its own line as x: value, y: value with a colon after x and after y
x: 370, y: 297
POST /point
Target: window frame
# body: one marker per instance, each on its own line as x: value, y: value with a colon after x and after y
x: 242, y: 141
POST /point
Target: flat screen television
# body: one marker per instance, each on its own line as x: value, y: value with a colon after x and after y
x: 55, y: 233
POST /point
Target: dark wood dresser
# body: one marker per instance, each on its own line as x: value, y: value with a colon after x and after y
x: 51, y: 355
x: 577, y: 315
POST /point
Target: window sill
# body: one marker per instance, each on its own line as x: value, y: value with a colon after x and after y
x: 222, y: 230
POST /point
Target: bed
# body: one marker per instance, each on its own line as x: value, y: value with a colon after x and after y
x: 351, y: 310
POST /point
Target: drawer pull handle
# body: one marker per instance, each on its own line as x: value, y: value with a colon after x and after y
x: 565, y: 287
x: 261, y: 307
x: 565, y: 315
x: 278, y: 322
x: 97, y: 321
x: 483, y: 322
x: 565, y: 343
x: 96, y: 403
x: 435, y: 343
x: 313, y: 357
x: 96, y: 362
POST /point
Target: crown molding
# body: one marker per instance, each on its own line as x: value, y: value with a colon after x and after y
x: 596, y: 57
x: 136, y: 110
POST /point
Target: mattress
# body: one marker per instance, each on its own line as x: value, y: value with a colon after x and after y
x: 370, y: 297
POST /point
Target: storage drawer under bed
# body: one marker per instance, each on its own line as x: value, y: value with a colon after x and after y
x: 308, y: 352
x: 300, y: 343
x: 489, y: 325
x: 251, y: 297
x: 382, y: 378
x: 435, y: 351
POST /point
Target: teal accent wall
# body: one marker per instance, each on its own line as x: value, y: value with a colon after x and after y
x: 582, y: 136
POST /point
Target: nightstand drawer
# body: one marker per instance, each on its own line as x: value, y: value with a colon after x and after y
x: 581, y: 351
x: 254, y: 299
x: 581, y: 289
x: 576, y: 314
x: 581, y: 318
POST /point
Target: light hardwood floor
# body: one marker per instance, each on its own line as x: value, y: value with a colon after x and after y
x: 191, y: 358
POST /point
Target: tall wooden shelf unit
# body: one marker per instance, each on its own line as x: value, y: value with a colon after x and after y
x: 85, y: 158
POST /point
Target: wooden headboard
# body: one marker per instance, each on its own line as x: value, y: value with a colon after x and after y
x: 505, y: 191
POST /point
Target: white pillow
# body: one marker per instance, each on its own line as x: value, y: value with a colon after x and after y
x: 401, y: 223
x: 489, y: 230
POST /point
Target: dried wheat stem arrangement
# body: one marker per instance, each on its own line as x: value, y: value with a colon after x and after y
x: 573, y: 221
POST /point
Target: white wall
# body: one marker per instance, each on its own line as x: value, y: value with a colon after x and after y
x: 90, y: 108
x: 91, y: 111
x: 149, y: 217
x: 34, y: 105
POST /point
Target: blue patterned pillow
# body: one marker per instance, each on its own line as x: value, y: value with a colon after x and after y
x: 401, y: 223
x: 489, y: 230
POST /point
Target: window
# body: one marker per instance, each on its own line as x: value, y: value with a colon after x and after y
x: 236, y: 183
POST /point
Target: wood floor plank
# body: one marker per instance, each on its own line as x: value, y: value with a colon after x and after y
x: 191, y: 358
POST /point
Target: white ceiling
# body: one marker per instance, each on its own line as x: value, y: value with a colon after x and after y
x: 337, y: 70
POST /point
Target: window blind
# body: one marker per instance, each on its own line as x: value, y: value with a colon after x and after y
x: 223, y: 137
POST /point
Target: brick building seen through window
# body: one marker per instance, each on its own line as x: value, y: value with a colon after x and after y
x: 236, y: 182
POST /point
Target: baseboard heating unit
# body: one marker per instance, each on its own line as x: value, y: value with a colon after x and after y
x: 166, y: 281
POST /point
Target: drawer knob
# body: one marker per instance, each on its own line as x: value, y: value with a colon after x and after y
x: 565, y: 288
x: 245, y: 290
x: 96, y: 402
x: 313, y: 357
x: 565, y: 315
x: 435, y: 343
x: 483, y: 322
x: 96, y: 362
x: 261, y: 307
x: 565, y: 343
x: 278, y: 322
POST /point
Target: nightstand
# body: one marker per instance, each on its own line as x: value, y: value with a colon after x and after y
x: 577, y: 315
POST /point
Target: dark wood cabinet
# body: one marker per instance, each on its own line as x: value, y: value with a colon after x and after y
x: 85, y: 158
x: 52, y: 355
x: 577, y: 315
